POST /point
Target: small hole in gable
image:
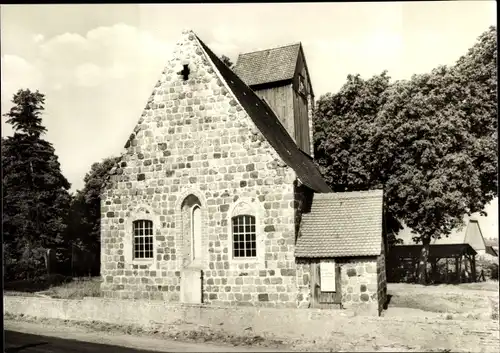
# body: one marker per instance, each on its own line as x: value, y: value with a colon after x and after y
x: 185, y: 72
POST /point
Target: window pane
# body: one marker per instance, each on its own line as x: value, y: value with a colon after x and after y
x: 143, y: 238
x: 244, y: 237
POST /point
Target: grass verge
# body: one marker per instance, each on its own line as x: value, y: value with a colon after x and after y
x: 76, y: 289
x: 57, y: 287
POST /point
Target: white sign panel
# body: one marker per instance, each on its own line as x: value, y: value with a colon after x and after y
x: 327, y: 273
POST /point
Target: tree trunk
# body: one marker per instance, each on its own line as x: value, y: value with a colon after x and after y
x: 422, y: 262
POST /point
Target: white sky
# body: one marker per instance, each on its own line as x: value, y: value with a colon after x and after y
x: 97, y: 64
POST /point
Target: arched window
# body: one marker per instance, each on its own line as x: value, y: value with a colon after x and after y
x: 191, y: 219
x: 143, y: 239
x: 195, y: 232
x: 244, y: 236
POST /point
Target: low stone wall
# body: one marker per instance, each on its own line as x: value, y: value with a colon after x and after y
x: 332, y: 329
x: 293, y: 322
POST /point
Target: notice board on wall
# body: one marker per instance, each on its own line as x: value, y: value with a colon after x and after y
x: 327, y: 276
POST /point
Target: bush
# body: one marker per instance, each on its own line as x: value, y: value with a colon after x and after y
x: 489, y: 265
x: 492, y: 271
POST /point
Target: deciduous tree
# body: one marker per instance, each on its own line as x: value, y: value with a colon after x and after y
x: 438, y: 132
x: 430, y: 141
x: 85, y: 215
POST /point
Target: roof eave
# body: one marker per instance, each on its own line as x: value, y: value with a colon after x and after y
x: 333, y: 255
x: 271, y: 84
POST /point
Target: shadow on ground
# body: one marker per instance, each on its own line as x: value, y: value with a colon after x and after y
x: 387, y: 301
x: 23, y: 347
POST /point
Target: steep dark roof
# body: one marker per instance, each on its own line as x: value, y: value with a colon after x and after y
x: 341, y: 225
x: 491, y: 250
x: 266, y: 66
x: 270, y: 126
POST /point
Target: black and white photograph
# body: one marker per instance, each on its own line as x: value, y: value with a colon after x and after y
x: 250, y: 177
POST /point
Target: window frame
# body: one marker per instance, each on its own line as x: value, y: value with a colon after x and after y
x: 143, y: 236
x: 250, y: 207
x: 192, y: 235
x: 245, y: 233
x: 141, y: 212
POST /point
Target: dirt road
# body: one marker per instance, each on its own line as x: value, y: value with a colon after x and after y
x: 355, y: 334
x: 30, y: 337
x: 17, y: 342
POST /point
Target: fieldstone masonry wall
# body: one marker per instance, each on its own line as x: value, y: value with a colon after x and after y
x: 303, y: 199
x: 359, y: 284
x: 193, y: 137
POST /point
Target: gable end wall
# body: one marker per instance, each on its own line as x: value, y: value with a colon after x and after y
x: 194, y: 138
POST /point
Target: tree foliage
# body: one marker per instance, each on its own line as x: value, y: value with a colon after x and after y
x: 85, y: 213
x: 344, y: 126
x: 35, y: 193
x: 430, y: 141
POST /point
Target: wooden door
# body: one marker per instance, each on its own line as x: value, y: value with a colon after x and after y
x: 321, y: 298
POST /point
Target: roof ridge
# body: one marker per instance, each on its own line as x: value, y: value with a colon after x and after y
x: 272, y: 48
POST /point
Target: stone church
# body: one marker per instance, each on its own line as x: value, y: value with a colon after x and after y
x: 216, y: 199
